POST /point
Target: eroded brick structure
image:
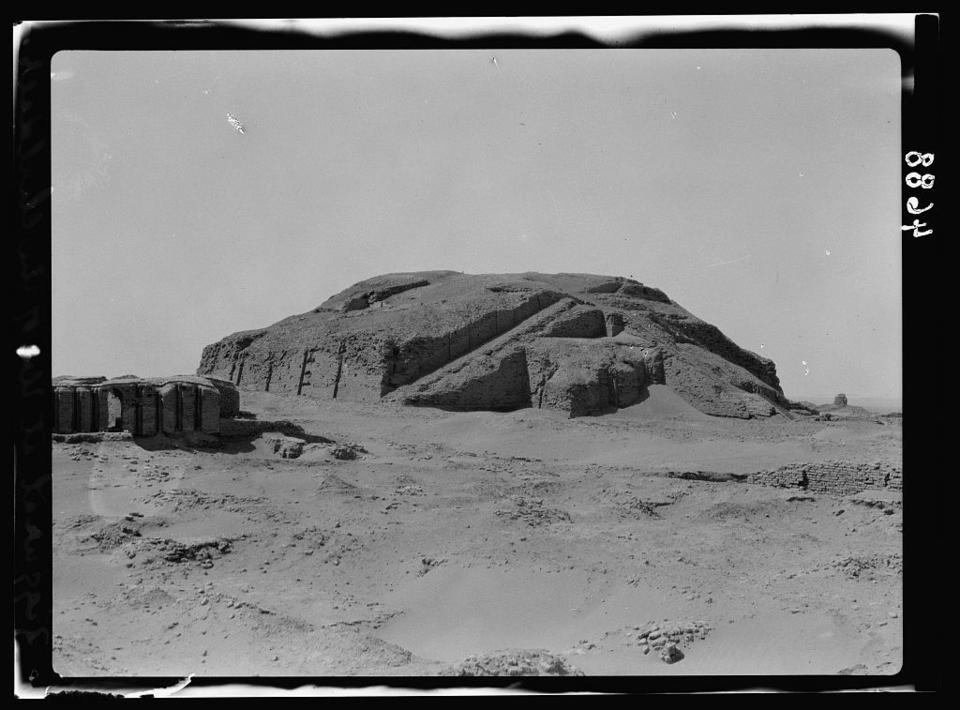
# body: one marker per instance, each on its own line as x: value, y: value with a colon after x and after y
x: 143, y: 406
x: 583, y: 343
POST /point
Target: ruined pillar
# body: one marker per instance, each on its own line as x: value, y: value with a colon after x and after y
x: 188, y: 403
x: 64, y: 409
x: 128, y: 406
x: 84, y: 405
x: 209, y: 409
x: 169, y: 406
x: 229, y: 397
x: 148, y: 404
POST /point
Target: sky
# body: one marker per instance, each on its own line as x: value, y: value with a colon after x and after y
x: 760, y: 189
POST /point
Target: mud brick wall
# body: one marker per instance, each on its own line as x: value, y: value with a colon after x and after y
x: 834, y: 477
x: 144, y: 407
x: 229, y: 397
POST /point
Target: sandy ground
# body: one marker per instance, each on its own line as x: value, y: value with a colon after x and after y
x: 459, y: 535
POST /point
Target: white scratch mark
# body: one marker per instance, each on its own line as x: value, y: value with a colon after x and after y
x: 26, y: 352
x: 232, y: 120
x: 162, y: 692
x: 732, y: 261
x: 493, y: 60
x: 827, y: 252
x: 806, y: 369
x: 674, y: 114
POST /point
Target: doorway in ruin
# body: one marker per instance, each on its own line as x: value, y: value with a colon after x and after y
x: 114, y: 412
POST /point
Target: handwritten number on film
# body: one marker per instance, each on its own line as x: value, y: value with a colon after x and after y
x: 914, y: 181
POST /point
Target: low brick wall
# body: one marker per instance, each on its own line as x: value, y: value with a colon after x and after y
x: 836, y: 477
x: 142, y: 406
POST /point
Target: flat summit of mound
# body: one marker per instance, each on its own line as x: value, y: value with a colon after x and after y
x: 583, y: 343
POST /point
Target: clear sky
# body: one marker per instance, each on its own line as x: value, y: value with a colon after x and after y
x: 758, y: 188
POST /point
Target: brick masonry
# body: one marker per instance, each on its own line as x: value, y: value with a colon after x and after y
x: 143, y: 407
x: 835, y: 477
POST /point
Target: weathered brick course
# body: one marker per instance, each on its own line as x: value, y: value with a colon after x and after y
x: 835, y: 477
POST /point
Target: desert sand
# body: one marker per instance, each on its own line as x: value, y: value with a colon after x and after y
x: 413, y: 541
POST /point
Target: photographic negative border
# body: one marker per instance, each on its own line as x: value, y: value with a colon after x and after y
x: 917, y: 44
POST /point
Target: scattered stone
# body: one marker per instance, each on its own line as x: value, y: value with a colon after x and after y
x: 533, y: 512
x: 286, y: 447
x: 671, y: 654
x: 200, y: 551
x: 113, y: 535
x: 857, y: 567
x: 514, y: 662
x: 345, y: 452
x: 429, y: 563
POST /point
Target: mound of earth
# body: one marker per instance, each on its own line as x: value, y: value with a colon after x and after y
x: 581, y: 343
